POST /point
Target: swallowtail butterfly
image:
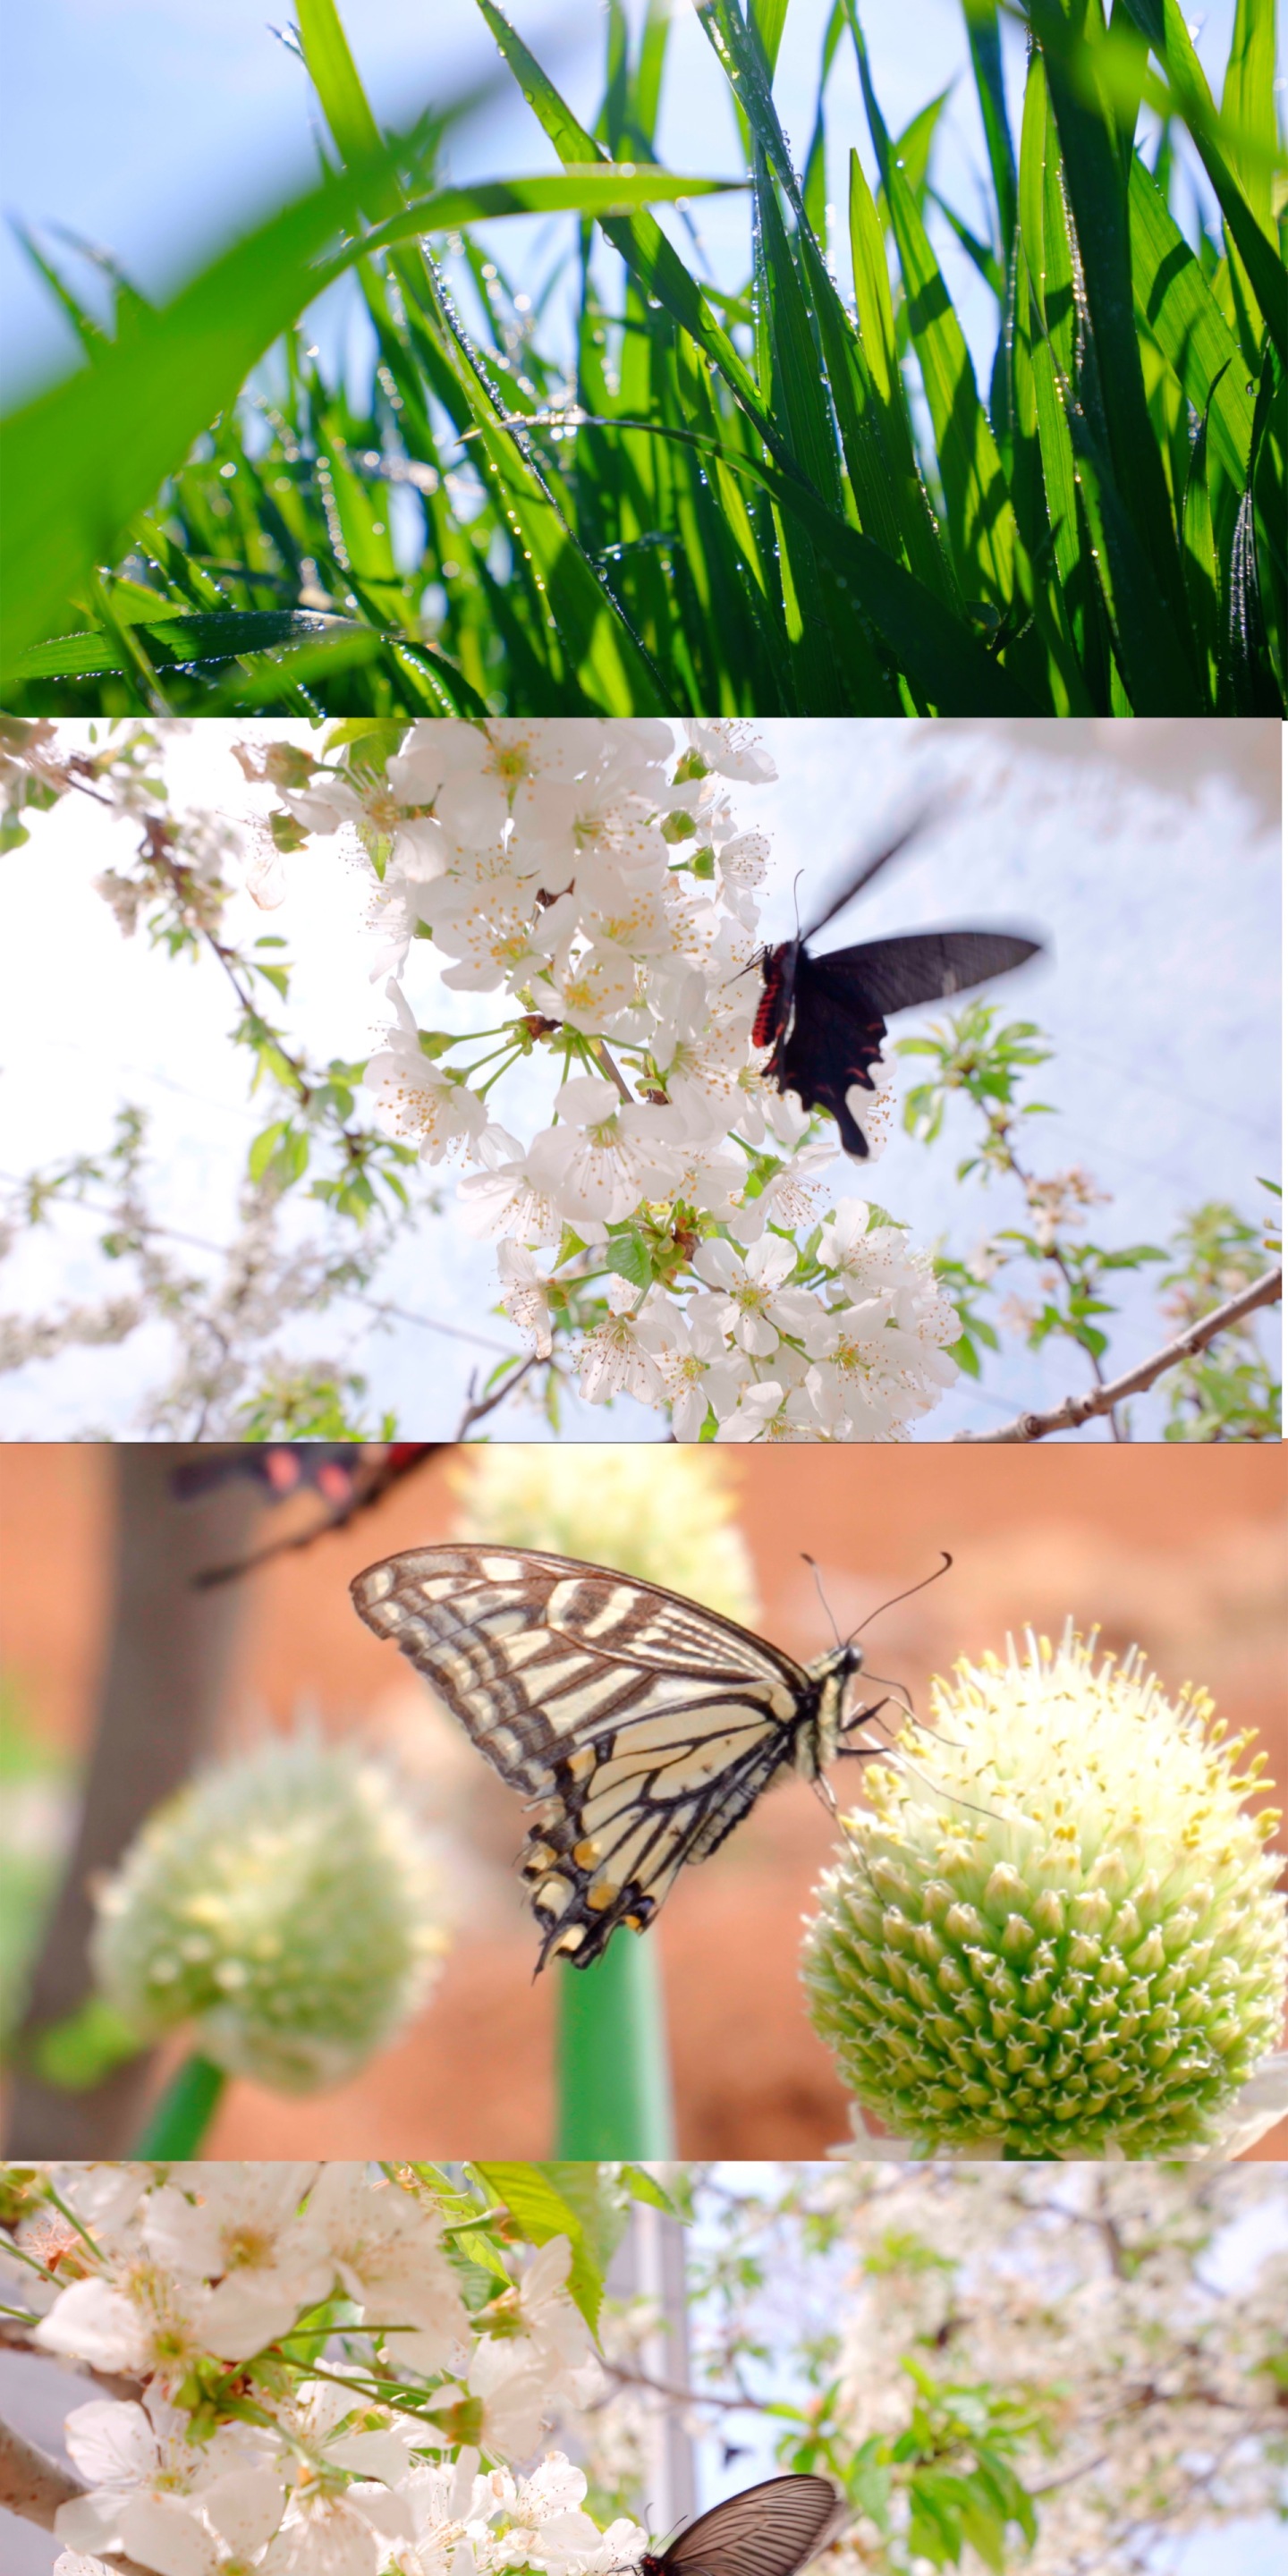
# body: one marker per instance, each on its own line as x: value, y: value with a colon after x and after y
x: 825, y: 1017
x: 769, y: 2530
x: 640, y: 1726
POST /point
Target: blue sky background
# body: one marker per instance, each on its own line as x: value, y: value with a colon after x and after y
x: 150, y: 128
x: 1157, y: 891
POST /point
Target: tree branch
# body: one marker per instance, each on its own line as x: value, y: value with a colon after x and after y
x: 1077, y: 1409
x: 34, y: 2486
x: 477, y: 1407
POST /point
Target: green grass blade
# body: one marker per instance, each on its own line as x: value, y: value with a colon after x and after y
x: 1248, y: 103
x: 984, y: 39
x: 343, y: 100
x: 639, y: 239
x: 1045, y: 329
x: 981, y: 521
x: 176, y: 640
x: 1088, y: 130
x: 1174, y: 300
x: 916, y: 531
x: 940, y: 652
x: 1163, y: 23
x: 1198, y: 555
x: 601, y: 190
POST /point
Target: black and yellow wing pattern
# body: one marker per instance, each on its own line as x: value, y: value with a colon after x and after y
x: 639, y: 1726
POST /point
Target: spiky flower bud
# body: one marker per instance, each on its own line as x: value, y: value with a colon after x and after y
x: 1058, y: 1934
x: 286, y: 1905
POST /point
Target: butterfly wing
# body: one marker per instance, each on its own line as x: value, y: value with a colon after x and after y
x: 842, y: 1001
x: 831, y: 1043
x: 768, y: 2530
x: 642, y: 1725
x: 887, y: 975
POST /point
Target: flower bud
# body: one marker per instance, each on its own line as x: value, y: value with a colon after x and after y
x: 286, y: 1905
x: 1058, y: 1935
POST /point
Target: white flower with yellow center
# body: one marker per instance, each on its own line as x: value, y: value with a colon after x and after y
x: 755, y: 1304
x: 603, y: 1157
x: 1055, y: 1934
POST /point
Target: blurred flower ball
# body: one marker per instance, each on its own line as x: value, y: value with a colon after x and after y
x: 286, y: 1905
x: 1058, y: 1935
x: 666, y: 1515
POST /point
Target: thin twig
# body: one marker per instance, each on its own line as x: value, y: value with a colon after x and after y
x: 1077, y: 1409
x: 478, y: 1407
x: 34, y: 2486
x: 685, y: 2396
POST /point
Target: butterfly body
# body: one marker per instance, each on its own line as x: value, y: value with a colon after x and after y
x: 640, y: 1726
x: 824, y: 1018
x: 769, y: 2530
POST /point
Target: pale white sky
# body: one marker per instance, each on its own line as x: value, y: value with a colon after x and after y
x: 1160, y: 902
x: 150, y: 129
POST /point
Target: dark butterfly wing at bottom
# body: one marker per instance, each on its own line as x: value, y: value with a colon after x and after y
x: 769, y: 2530
x: 841, y: 1003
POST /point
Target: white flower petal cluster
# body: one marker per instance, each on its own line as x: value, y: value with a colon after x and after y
x: 1102, y: 2286
x: 591, y: 873
x: 187, y: 2268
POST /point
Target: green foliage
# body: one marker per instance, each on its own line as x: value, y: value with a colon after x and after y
x: 773, y: 499
x: 310, y: 1404
x: 584, y: 2202
x: 1230, y: 1390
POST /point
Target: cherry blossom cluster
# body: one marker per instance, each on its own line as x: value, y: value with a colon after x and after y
x: 314, y: 2397
x: 670, y: 1211
x: 1105, y: 2286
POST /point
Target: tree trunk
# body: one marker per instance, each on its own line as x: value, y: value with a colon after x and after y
x: 167, y: 1664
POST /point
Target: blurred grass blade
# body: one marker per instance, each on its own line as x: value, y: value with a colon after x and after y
x: 79, y: 460
x: 601, y: 190
x: 1163, y: 23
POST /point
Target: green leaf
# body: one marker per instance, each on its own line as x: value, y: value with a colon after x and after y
x: 540, y: 2210
x: 599, y: 189
x: 264, y: 1148
x: 642, y: 2186
x: 628, y: 1255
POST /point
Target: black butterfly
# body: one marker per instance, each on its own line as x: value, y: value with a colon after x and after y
x: 641, y: 1726
x: 769, y: 2530
x: 825, y: 1017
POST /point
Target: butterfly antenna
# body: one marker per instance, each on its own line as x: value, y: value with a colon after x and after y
x: 818, y: 1586
x: 926, y: 1581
